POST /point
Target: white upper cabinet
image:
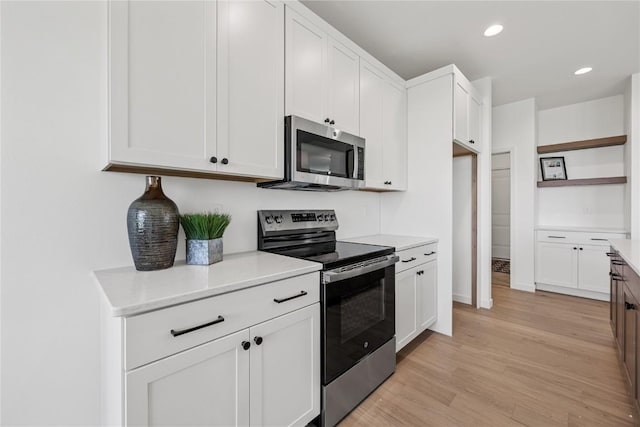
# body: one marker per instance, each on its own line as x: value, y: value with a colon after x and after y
x: 383, y: 120
x: 162, y: 57
x: 343, y: 88
x: 322, y: 81
x: 185, y: 80
x: 467, y: 122
x: 306, y: 59
x: 250, y: 88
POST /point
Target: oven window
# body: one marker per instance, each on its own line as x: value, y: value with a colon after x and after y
x: 323, y: 156
x: 361, y: 312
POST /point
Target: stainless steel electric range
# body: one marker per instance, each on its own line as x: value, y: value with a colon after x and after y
x: 357, y: 299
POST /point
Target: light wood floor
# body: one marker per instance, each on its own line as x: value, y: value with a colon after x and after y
x: 538, y: 359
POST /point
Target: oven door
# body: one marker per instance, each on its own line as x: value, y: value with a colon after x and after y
x: 358, y: 316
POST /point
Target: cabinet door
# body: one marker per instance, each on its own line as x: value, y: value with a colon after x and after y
x: 593, y: 268
x: 372, y: 95
x: 557, y: 264
x: 343, y: 74
x: 162, y: 71
x: 629, y: 346
x: 306, y: 62
x: 251, y: 88
x: 620, y: 316
x: 207, y: 385
x: 613, y: 286
x: 285, y: 369
x: 394, y: 137
x: 406, y: 306
x: 461, y: 112
x: 475, y: 123
x: 428, y: 295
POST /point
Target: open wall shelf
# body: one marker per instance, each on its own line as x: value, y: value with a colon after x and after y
x: 585, y: 181
x: 581, y: 145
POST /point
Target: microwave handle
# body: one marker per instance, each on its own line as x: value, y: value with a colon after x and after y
x: 354, y: 172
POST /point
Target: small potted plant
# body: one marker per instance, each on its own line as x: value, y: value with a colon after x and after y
x: 204, y: 236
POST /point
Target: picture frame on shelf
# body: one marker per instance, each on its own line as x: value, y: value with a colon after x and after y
x: 553, y: 168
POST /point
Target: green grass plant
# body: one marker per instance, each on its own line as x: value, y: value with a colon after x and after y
x: 204, y: 226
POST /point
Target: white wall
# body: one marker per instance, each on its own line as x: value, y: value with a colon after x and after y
x: 63, y: 218
x: 632, y: 154
x: 425, y: 209
x: 462, y: 233
x: 514, y: 130
x: 588, y: 206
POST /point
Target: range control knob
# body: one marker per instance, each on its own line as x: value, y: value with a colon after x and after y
x: 327, y: 217
x: 279, y: 219
x: 320, y: 217
x: 269, y: 219
x: 333, y: 217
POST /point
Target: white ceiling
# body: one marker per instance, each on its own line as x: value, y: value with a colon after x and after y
x: 542, y: 44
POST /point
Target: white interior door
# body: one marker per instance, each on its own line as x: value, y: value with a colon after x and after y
x: 501, y: 206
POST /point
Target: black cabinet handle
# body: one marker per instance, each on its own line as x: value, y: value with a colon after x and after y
x: 246, y: 345
x: 472, y: 141
x: 616, y: 262
x: 177, y: 333
x: 327, y: 120
x: 575, y: 248
x: 581, y: 248
x: 387, y: 183
x: 280, y: 300
x: 629, y: 306
x: 556, y: 237
x: 257, y: 340
x: 225, y: 161
x: 599, y: 240
x: 213, y: 159
x: 615, y: 276
x: 420, y: 273
x: 430, y: 253
x: 409, y: 260
x: 611, y: 254
x: 332, y: 122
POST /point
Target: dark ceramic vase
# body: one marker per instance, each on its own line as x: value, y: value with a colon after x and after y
x: 152, y: 223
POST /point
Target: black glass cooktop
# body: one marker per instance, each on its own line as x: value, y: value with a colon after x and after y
x: 337, y: 254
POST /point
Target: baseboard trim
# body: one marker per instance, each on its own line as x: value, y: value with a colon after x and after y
x: 488, y: 304
x: 462, y: 298
x: 523, y: 287
x: 573, y: 292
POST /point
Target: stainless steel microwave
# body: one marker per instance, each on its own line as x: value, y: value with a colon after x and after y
x: 320, y: 158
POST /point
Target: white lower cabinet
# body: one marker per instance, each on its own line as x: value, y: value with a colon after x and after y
x: 207, y: 385
x: 285, y: 369
x: 575, y: 263
x: 266, y: 375
x: 416, y: 293
x: 244, y: 358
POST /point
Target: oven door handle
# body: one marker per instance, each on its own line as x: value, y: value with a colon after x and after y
x: 332, y: 276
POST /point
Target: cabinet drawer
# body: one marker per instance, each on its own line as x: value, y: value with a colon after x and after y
x: 577, y: 237
x: 152, y: 336
x: 416, y: 256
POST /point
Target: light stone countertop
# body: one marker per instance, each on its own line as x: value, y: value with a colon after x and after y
x: 630, y: 252
x: 399, y: 242
x: 129, y: 292
x: 582, y: 229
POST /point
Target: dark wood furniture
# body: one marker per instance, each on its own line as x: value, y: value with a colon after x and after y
x: 625, y: 319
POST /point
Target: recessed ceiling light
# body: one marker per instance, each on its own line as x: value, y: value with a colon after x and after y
x: 493, y: 30
x: 584, y: 70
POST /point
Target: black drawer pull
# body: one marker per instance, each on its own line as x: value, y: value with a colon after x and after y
x: 616, y: 262
x: 430, y: 253
x: 409, y: 260
x: 599, y: 240
x: 615, y: 276
x: 556, y: 237
x: 611, y: 254
x: 179, y: 332
x: 301, y: 294
x: 629, y: 306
